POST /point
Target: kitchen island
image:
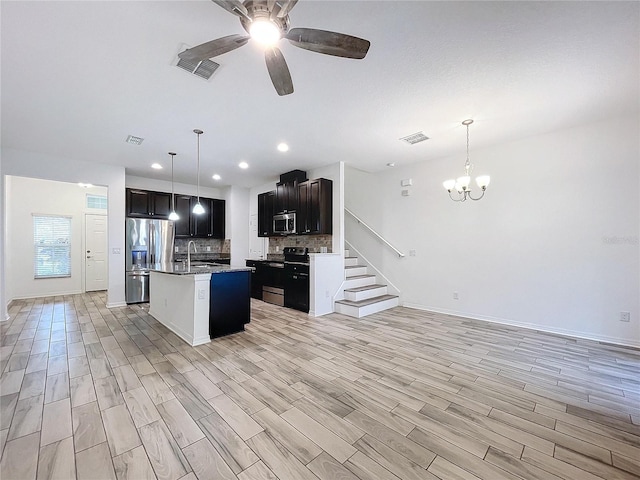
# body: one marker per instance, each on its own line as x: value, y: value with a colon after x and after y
x: 200, y: 302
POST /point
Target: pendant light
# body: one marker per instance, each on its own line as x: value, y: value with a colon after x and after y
x: 461, y: 184
x: 173, y: 215
x: 198, y: 209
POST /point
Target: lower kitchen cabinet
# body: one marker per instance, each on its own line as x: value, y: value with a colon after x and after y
x: 229, y: 302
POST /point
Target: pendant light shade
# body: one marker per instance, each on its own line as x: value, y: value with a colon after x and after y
x: 198, y: 209
x: 173, y: 215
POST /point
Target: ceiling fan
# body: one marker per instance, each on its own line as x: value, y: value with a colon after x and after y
x: 267, y: 21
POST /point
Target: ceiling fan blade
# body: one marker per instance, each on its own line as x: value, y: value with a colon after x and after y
x: 214, y: 47
x: 329, y: 43
x: 233, y: 6
x: 278, y: 71
x: 281, y: 8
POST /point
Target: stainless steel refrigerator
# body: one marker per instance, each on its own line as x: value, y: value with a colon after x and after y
x: 148, y: 242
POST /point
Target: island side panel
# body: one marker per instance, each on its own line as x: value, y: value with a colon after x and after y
x: 230, y: 305
x: 174, y: 302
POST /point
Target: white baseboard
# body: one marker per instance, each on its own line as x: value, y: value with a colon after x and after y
x: 530, y: 326
x: 116, y: 304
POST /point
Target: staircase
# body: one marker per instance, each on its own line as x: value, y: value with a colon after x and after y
x: 362, y: 295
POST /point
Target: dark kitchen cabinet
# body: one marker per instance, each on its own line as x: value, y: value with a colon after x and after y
x: 161, y: 204
x: 183, y: 209
x: 210, y: 224
x: 138, y: 203
x: 202, y: 225
x: 266, y: 210
x: 287, y: 191
x: 315, y: 207
x: 146, y: 204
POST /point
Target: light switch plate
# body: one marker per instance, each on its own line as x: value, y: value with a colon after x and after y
x: 407, y: 182
x: 115, y: 251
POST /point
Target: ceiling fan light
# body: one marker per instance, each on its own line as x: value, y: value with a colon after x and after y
x: 173, y: 216
x: 264, y: 32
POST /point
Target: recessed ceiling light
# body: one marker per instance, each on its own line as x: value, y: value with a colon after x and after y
x: 391, y: 164
x: 157, y: 166
x: 243, y: 165
x: 134, y: 140
x: 216, y: 177
x: 283, y: 147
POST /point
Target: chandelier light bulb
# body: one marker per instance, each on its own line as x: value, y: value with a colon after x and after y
x: 464, y: 181
x: 265, y: 32
x: 449, y: 184
x: 483, y: 181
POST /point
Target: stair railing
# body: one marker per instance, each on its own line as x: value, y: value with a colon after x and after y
x: 382, y: 239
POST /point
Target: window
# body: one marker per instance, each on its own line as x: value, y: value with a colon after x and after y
x: 52, y: 246
x: 96, y: 201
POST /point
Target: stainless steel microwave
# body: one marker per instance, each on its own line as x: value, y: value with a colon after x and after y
x: 284, y: 223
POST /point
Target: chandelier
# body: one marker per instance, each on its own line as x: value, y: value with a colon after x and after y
x: 461, y: 184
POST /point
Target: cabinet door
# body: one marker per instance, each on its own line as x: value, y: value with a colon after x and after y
x: 266, y: 210
x: 202, y: 225
x: 161, y: 205
x: 303, y: 211
x: 138, y: 203
x: 320, y: 202
x: 183, y: 209
x: 282, y: 198
x: 218, y: 218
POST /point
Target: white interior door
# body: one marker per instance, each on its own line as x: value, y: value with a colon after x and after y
x: 96, y: 245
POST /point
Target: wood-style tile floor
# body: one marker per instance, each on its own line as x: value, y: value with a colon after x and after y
x: 97, y: 393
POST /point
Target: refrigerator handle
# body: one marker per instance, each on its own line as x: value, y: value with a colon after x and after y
x: 152, y: 243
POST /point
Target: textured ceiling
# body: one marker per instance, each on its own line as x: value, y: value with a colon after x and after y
x: 78, y: 77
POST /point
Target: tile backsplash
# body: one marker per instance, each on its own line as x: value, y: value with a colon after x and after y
x: 312, y: 242
x: 215, y: 246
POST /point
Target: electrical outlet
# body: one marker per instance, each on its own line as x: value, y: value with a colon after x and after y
x: 200, y: 294
x: 412, y: 253
x: 115, y: 251
x: 176, y: 250
x: 625, y: 316
x: 208, y: 248
x: 455, y: 295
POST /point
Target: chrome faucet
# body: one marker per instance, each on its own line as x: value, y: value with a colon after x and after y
x: 195, y: 250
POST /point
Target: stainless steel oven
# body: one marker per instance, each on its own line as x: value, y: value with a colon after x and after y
x: 284, y: 223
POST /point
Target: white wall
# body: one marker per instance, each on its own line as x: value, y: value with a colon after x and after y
x: 553, y: 245
x: 179, y: 188
x: 29, y: 196
x: 35, y: 165
x: 238, y: 224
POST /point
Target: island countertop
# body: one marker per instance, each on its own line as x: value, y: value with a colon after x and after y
x: 196, y: 268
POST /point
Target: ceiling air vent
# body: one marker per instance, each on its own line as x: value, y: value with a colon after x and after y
x: 415, y: 138
x: 203, y: 69
x: 134, y: 140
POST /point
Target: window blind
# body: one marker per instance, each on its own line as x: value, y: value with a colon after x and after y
x: 52, y: 246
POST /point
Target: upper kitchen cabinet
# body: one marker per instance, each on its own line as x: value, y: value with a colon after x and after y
x: 210, y: 224
x: 266, y: 210
x: 315, y: 207
x: 287, y: 191
x: 183, y: 209
x: 146, y: 204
